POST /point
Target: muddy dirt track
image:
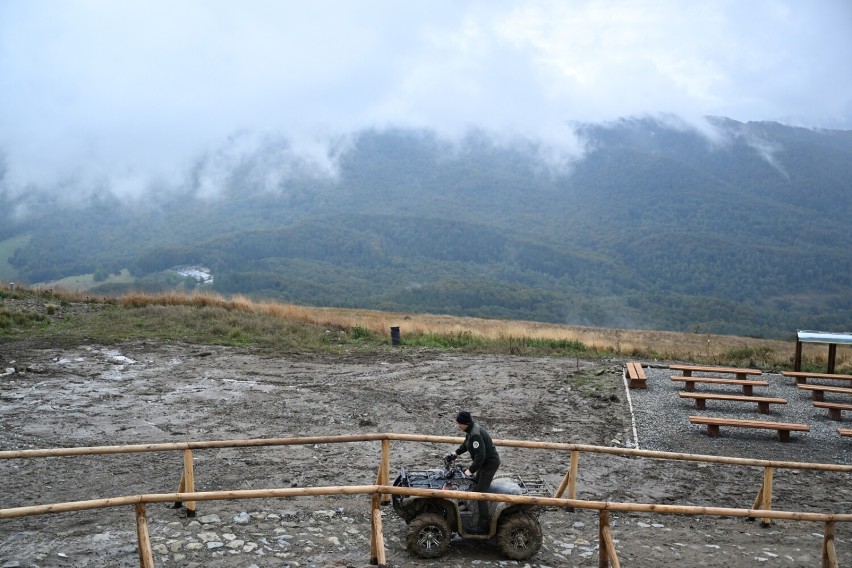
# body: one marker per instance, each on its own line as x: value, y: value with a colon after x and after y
x: 138, y: 392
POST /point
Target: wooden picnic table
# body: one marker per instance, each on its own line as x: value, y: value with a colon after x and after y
x: 741, y: 374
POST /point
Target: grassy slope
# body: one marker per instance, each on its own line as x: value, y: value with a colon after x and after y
x: 60, y: 318
x: 7, y: 249
x: 86, y: 282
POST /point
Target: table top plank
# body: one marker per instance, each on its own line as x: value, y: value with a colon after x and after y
x: 826, y: 388
x: 720, y: 381
x: 716, y: 396
x: 706, y: 369
x: 749, y: 423
x: 803, y: 375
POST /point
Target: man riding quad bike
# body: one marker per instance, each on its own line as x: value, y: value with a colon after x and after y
x: 432, y: 521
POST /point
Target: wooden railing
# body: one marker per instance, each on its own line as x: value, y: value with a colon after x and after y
x: 382, y: 490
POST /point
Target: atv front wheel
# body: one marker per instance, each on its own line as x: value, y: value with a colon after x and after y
x: 519, y: 537
x: 429, y: 535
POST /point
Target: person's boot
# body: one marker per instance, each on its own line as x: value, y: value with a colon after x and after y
x: 483, y: 520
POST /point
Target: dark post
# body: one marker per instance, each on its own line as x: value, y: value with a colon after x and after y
x: 832, y: 356
x: 797, y: 363
x: 395, y: 336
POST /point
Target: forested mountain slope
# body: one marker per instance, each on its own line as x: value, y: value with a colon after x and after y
x: 744, y: 231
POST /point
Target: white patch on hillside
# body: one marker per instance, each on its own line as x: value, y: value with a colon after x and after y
x: 200, y: 273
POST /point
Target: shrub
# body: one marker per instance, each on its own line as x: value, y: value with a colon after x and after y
x: 359, y: 332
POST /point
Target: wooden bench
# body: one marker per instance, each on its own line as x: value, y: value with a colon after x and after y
x: 818, y: 391
x: 741, y: 374
x: 747, y: 384
x: 834, y: 408
x: 802, y: 377
x: 844, y: 431
x: 762, y: 402
x: 637, y: 377
x: 784, y: 428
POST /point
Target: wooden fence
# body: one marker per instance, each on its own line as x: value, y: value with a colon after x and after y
x: 382, y: 491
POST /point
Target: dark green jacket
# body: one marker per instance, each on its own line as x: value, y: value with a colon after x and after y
x: 482, y: 450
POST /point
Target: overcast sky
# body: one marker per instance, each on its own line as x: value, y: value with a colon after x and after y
x: 129, y: 90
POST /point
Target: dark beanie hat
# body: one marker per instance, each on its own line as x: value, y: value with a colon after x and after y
x: 464, y: 417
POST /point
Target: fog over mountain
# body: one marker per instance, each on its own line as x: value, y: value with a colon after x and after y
x: 135, y: 96
x: 659, y: 164
x: 657, y: 226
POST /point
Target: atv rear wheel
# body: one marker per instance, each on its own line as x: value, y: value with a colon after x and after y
x: 519, y: 537
x: 429, y: 535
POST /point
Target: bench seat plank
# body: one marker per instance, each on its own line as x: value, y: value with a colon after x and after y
x: 818, y: 391
x: 802, y: 378
x: 687, y: 370
x: 783, y: 428
x: 834, y: 408
x: 844, y: 431
x: 747, y: 384
x: 762, y: 401
x: 637, y: 377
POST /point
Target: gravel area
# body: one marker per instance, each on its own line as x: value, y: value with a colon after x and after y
x: 662, y: 420
x: 137, y: 392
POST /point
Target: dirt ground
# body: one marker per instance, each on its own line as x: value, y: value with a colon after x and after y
x: 145, y: 392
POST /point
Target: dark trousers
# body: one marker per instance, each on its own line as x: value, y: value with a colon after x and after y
x: 483, y: 483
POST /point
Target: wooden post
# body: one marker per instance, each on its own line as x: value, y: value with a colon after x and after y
x: 832, y: 356
x: 188, y: 478
x: 146, y: 557
x: 374, y: 555
x: 377, y: 541
x: 829, y: 553
x: 384, y: 470
x: 572, y: 486
x: 570, y: 480
x: 181, y: 489
x: 797, y: 362
x: 607, y: 556
x: 764, y: 496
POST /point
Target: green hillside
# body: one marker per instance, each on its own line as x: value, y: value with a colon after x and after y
x: 657, y: 227
x: 9, y: 273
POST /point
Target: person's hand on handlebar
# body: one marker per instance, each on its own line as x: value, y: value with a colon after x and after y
x: 468, y: 473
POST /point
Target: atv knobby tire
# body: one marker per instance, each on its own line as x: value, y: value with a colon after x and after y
x: 429, y: 535
x: 519, y: 536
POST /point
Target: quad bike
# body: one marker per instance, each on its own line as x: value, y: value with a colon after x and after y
x: 432, y: 521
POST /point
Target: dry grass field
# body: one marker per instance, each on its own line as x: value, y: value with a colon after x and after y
x: 506, y: 335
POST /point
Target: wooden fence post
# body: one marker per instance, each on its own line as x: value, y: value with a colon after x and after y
x: 383, y: 477
x: 829, y: 553
x: 607, y: 555
x: 189, y: 482
x: 764, y: 496
x: 146, y: 557
x: 377, y: 540
x: 570, y: 479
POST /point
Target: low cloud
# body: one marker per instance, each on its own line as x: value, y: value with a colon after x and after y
x: 131, y: 96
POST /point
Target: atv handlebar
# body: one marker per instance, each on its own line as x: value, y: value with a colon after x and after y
x: 452, y: 470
